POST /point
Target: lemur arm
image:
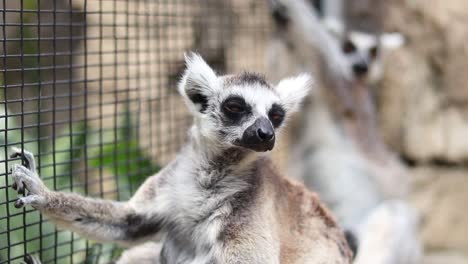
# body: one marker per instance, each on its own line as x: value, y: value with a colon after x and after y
x: 98, y: 219
x: 305, y: 25
x: 126, y: 223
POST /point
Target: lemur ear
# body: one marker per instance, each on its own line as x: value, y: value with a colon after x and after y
x: 198, y: 83
x: 392, y: 41
x: 293, y: 90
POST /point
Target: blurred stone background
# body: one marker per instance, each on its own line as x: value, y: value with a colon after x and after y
x: 422, y: 113
x: 422, y: 104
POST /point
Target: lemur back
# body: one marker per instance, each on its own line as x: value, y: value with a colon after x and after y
x: 221, y: 200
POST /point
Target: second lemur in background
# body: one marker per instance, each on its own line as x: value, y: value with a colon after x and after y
x: 336, y: 148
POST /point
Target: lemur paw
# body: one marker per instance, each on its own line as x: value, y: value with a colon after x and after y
x: 25, y: 178
x: 26, y: 156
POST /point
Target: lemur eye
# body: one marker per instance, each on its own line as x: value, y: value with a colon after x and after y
x: 374, y: 51
x: 234, y: 107
x: 349, y: 47
x: 276, y: 115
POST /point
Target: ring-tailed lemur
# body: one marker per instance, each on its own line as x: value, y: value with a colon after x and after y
x: 221, y: 200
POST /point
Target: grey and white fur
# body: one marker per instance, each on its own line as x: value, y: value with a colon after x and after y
x: 364, y: 52
x: 221, y: 200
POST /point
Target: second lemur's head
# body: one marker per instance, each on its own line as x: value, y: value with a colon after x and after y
x: 243, y: 110
x: 365, y: 52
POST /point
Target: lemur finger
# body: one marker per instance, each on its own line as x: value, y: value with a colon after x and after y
x: 19, y: 203
x: 33, y: 200
x: 21, y: 190
x: 18, y: 185
x: 28, y: 259
x: 20, y: 168
x: 25, y: 179
x: 17, y: 153
x: 26, y: 156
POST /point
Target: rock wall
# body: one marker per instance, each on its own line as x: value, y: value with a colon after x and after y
x: 423, y: 99
x: 423, y: 115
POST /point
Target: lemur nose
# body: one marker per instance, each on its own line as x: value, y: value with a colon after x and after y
x: 265, y: 134
x: 360, y: 69
x: 260, y: 136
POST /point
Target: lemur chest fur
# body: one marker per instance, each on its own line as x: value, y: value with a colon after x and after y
x: 202, y: 199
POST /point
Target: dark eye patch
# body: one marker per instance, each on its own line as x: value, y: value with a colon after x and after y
x: 276, y: 115
x: 348, y: 47
x: 234, y: 108
x: 373, y: 52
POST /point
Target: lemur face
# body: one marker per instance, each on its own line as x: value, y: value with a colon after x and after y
x: 363, y: 53
x: 248, y: 111
x: 241, y: 110
x: 360, y: 55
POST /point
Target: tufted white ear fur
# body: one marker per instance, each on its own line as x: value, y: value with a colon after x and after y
x: 388, y: 41
x: 293, y: 90
x: 392, y: 41
x: 198, y: 83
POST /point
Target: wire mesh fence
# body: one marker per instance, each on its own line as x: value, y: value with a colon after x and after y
x: 89, y: 88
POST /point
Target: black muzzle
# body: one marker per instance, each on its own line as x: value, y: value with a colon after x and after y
x: 259, y: 137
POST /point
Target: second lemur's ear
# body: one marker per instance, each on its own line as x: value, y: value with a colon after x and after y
x: 198, y: 83
x: 293, y: 90
x: 391, y: 41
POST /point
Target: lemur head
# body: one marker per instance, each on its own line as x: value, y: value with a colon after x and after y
x: 241, y: 111
x: 364, y: 51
